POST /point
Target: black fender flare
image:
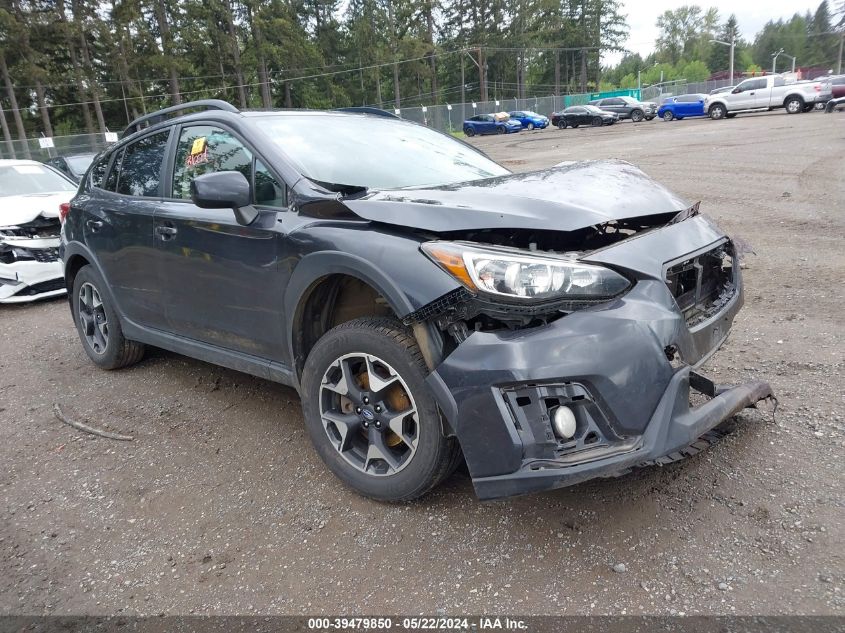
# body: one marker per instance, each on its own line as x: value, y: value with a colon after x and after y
x: 77, y: 249
x: 316, y: 266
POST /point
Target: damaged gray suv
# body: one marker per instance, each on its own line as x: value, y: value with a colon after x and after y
x: 428, y: 305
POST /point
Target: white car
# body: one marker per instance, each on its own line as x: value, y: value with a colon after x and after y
x: 30, y: 195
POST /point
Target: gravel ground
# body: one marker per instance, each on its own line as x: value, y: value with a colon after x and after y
x: 220, y: 505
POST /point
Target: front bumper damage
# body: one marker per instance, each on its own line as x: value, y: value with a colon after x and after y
x: 626, y: 369
x: 30, y: 267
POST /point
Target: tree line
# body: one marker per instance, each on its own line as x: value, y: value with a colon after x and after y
x: 81, y: 65
x: 684, y: 49
x: 70, y: 66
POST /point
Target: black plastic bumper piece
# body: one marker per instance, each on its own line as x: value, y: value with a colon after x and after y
x: 674, y: 425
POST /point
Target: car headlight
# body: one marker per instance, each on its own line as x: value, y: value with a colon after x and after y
x: 523, y: 275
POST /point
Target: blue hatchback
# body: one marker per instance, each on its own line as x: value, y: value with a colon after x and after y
x: 489, y: 124
x: 682, y: 106
x: 530, y: 120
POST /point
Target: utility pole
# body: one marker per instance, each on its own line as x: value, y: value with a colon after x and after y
x: 839, y: 62
x: 482, y: 74
x: 732, y: 45
x: 775, y: 60
x: 463, y: 90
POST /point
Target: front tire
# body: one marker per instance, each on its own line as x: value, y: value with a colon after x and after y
x: 370, y: 414
x: 717, y: 111
x: 561, y: 125
x: 500, y: 130
x: 469, y: 132
x: 668, y: 116
x: 597, y: 121
x: 98, y: 325
x: 637, y: 116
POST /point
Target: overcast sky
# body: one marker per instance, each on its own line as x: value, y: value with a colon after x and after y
x: 751, y: 14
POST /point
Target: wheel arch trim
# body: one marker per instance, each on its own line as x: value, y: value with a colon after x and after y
x: 314, y: 267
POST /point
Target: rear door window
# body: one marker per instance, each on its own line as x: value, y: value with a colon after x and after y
x: 111, y: 180
x: 140, y: 170
x: 98, y: 171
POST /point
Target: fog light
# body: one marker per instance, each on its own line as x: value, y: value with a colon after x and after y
x: 563, y: 420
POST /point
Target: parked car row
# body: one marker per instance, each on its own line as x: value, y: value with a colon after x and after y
x: 754, y: 94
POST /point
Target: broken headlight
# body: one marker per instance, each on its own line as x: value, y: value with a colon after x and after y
x: 524, y: 275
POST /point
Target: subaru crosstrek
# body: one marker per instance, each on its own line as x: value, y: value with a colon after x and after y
x: 429, y: 305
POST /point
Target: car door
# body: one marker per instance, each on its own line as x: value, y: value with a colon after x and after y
x: 615, y: 105
x: 488, y: 124
x: 682, y: 106
x: 117, y: 227
x: 222, y: 281
x: 744, y: 96
x: 696, y: 105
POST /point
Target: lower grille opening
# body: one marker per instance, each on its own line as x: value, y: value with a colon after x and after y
x: 703, y: 284
x: 44, y: 286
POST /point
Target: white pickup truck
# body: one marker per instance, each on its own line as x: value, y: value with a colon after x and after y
x: 764, y: 93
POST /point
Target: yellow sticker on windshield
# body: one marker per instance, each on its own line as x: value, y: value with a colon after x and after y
x: 198, y: 147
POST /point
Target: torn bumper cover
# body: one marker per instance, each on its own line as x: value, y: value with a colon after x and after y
x: 625, y: 369
x: 30, y: 267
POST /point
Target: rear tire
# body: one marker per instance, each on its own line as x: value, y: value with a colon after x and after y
x: 793, y: 105
x: 529, y: 127
x: 668, y: 116
x: 98, y: 325
x: 360, y: 365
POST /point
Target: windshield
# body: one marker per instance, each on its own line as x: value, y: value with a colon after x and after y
x: 16, y: 180
x: 374, y: 151
x: 78, y: 164
x: 592, y: 108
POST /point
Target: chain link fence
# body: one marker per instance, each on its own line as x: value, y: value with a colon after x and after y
x: 661, y: 91
x: 33, y: 148
x: 446, y: 118
x: 450, y: 118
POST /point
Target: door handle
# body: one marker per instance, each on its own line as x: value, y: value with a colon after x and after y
x: 165, y: 232
x: 751, y: 93
x: 94, y: 225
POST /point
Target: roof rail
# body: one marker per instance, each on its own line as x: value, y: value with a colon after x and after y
x: 368, y: 110
x: 154, y: 117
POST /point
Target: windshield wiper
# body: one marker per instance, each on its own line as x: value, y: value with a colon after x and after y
x: 344, y: 190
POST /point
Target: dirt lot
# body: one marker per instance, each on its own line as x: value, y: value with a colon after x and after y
x: 220, y: 505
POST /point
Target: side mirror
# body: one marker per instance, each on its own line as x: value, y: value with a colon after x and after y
x: 736, y: 90
x: 224, y: 190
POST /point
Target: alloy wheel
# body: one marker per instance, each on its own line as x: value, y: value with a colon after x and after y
x: 93, y: 318
x: 369, y: 414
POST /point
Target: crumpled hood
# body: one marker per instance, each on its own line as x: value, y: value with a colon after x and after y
x: 17, y: 210
x: 563, y: 198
